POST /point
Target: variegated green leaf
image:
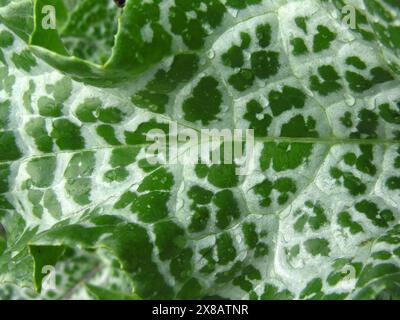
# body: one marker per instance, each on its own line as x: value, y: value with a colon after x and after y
x: 315, y: 217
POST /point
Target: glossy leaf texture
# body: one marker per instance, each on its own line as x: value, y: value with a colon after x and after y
x: 316, y: 217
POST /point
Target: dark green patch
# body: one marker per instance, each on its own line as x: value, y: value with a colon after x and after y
x: 41, y: 171
x: 299, y: 46
x: 4, y: 114
x: 200, y: 219
x: 200, y: 195
x: 242, y: 80
x: 242, y: 4
x: 51, y: 203
x: 161, y: 180
x: 110, y: 115
x: 314, y: 216
x: 123, y: 156
x: 49, y: 108
x: 24, y: 60
x: 181, y: 266
x: 265, y: 64
x: 393, y: 183
x: 313, y: 290
x: 272, y: 292
x: 288, y: 98
x: 347, y: 120
x: 356, y: 62
x: 201, y: 170
x: 322, y: 40
x: 390, y: 114
x: 223, y: 176
x: 86, y: 111
x: 151, y: 207
x: 225, y: 249
x: 263, y: 33
x: 4, y: 173
x: 170, y: 239
x: 116, y: 175
x: 330, y: 81
x: 155, y: 96
x: 298, y: 127
x: 250, y: 235
x: 285, y: 187
x: 317, y: 247
x: 380, y: 218
x: 367, y: 126
x: 67, y: 135
x: 9, y: 150
x: 6, y: 39
x: 228, y: 209
x: 107, y: 132
x: 349, y: 181
x: 285, y: 156
x: 205, y: 103
x: 260, y: 126
x: 301, y: 22
x: 193, y: 29
x: 233, y: 57
x: 36, y: 128
x: 345, y: 220
x: 78, y: 177
x: 141, y: 135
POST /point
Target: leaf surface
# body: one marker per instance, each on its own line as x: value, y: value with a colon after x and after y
x: 317, y: 216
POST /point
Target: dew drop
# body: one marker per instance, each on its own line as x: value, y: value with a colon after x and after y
x: 233, y: 12
x: 309, y: 92
x: 262, y: 84
x: 260, y: 116
x: 350, y: 100
x: 299, y: 264
x: 334, y: 14
x: 211, y: 54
